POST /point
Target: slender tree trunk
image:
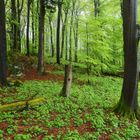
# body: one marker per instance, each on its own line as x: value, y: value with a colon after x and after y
x: 19, y: 10
x: 41, y: 37
x: 70, y: 37
x: 3, y: 67
x: 13, y: 26
x: 28, y: 26
x: 128, y: 104
x: 67, y: 81
x: 66, y: 43
x: 33, y: 27
x: 76, y: 40
x: 36, y: 23
x: 18, y: 29
x: 87, y: 51
x: 58, y: 32
x: 51, y: 31
x: 63, y: 33
x: 96, y: 7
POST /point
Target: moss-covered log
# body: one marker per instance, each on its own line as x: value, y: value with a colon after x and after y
x: 21, y: 104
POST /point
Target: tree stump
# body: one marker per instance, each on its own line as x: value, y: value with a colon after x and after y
x: 67, y: 81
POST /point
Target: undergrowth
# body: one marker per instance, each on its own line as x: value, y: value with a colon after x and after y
x: 86, y: 114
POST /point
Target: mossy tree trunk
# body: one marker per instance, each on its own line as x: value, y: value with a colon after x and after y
x: 128, y: 104
x: 67, y: 81
x: 3, y: 68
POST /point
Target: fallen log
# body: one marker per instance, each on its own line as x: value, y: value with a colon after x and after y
x: 21, y: 104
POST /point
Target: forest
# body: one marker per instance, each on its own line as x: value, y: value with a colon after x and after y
x: 69, y: 70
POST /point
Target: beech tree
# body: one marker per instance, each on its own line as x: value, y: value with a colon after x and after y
x: 51, y: 33
x: 28, y: 25
x: 128, y: 104
x: 14, y: 37
x: 33, y: 25
x: 19, y: 11
x: 77, y: 12
x: 41, y: 38
x: 58, y: 31
x: 3, y: 68
x: 71, y: 26
x: 66, y: 6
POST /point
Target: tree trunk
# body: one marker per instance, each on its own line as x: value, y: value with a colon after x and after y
x: 63, y: 33
x: 87, y: 51
x: 128, y: 104
x: 3, y: 67
x: 67, y: 81
x: 41, y: 38
x: 51, y: 31
x: 70, y: 37
x: 66, y: 43
x: 96, y: 8
x: 36, y: 24
x: 33, y: 27
x: 28, y: 25
x: 19, y: 10
x: 13, y: 26
x: 58, y: 32
x: 76, y: 39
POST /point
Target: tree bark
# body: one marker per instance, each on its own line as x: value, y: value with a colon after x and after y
x: 3, y: 67
x: 13, y: 26
x: 19, y: 10
x: 28, y: 25
x: 128, y: 104
x: 41, y: 38
x: 36, y: 24
x: 58, y: 32
x: 33, y: 27
x: 67, y: 81
x: 66, y: 43
x: 70, y: 36
x: 87, y: 52
x: 63, y: 33
x: 76, y: 39
x: 51, y: 31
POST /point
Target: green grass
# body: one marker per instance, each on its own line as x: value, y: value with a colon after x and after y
x: 88, y: 104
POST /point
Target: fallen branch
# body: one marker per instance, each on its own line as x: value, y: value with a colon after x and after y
x: 21, y: 104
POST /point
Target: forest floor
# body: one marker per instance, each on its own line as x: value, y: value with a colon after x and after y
x: 85, y: 115
x: 31, y: 74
